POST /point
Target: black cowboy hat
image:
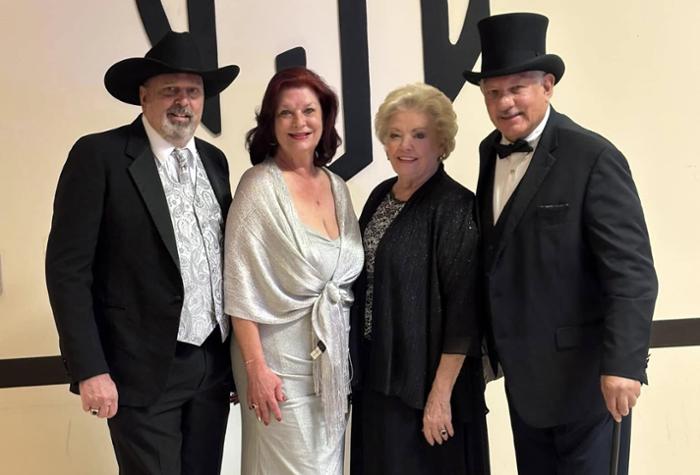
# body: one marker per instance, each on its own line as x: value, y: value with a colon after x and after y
x: 174, y: 53
x: 513, y: 43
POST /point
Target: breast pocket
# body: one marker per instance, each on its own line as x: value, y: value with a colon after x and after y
x: 552, y: 214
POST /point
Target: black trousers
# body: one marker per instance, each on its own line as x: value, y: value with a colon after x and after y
x: 183, y: 431
x: 580, y: 448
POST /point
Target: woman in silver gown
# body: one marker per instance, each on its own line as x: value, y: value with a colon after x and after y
x: 292, y: 252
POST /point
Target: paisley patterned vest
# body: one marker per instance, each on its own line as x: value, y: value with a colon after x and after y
x: 197, y: 221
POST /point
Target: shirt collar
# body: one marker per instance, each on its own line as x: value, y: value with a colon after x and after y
x: 161, y: 147
x: 534, y: 137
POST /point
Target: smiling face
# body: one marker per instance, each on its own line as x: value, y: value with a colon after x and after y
x: 517, y: 103
x: 412, y: 146
x: 173, y: 104
x: 298, y: 123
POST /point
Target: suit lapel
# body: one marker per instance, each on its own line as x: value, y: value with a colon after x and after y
x: 541, y: 163
x: 145, y: 175
x: 484, y: 187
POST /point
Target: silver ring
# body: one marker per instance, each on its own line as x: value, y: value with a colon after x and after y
x: 443, y: 432
x: 94, y: 411
x: 253, y: 406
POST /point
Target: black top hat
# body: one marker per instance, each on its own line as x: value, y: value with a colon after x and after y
x: 174, y: 53
x: 513, y: 43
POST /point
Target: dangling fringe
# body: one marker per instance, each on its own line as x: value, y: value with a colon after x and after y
x: 331, y: 372
x: 332, y: 383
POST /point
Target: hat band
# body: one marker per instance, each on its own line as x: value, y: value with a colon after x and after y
x: 508, y: 59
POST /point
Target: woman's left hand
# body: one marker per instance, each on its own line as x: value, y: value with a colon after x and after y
x: 437, y: 417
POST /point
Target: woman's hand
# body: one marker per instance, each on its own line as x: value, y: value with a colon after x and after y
x: 437, y: 414
x: 264, y: 391
x: 437, y: 417
x: 264, y: 387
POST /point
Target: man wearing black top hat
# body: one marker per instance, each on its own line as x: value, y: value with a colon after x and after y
x: 569, y: 280
x: 133, y: 267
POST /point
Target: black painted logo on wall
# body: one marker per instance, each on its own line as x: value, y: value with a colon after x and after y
x: 443, y: 62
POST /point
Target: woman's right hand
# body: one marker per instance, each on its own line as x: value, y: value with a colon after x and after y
x: 264, y: 391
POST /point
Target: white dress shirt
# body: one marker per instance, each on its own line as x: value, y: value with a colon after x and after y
x: 162, y: 150
x: 511, y: 169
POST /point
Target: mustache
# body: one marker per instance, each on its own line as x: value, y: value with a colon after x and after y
x: 180, y: 110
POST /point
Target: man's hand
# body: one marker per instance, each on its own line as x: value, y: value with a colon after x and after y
x: 620, y: 394
x: 99, y: 393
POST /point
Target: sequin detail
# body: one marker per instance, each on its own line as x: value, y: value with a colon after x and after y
x: 382, y: 218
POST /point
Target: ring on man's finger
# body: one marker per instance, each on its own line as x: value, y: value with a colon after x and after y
x: 94, y: 411
x: 443, y: 432
x: 253, y: 406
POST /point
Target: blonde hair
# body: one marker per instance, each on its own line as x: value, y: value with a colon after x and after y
x: 422, y: 98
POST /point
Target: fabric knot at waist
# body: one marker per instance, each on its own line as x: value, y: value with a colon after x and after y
x: 331, y: 367
x: 337, y: 295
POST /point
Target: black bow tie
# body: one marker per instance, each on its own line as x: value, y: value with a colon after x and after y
x: 519, y: 145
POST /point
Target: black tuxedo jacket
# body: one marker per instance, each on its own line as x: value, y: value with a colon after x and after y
x: 569, y: 280
x: 112, y: 267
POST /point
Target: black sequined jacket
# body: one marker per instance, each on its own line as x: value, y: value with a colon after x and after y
x: 424, y: 300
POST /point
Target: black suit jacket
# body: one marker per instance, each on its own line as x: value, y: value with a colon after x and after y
x: 570, y: 285
x: 423, y: 298
x: 112, y: 267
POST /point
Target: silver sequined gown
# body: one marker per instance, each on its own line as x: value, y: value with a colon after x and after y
x: 298, y: 444
x: 296, y: 286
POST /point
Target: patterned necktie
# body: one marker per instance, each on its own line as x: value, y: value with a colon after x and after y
x: 519, y: 145
x: 184, y: 158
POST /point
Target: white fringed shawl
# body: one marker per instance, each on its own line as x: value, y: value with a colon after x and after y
x: 268, y: 278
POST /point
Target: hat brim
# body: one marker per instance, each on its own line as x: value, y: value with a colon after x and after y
x: 549, y: 63
x: 123, y: 79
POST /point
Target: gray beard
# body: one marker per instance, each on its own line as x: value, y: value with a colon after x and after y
x: 178, y: 132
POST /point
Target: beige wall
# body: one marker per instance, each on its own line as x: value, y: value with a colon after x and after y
x: 628, y: 65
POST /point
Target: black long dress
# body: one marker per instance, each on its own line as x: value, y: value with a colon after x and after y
x: 423, y: 304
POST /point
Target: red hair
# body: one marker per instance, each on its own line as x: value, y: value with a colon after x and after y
x: 261, y: 141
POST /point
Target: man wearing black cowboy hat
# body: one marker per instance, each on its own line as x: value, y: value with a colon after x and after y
x: 133, y: 267
x: 569, y: 281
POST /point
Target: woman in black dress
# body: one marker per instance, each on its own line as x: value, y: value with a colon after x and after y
x: 418, y: 405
